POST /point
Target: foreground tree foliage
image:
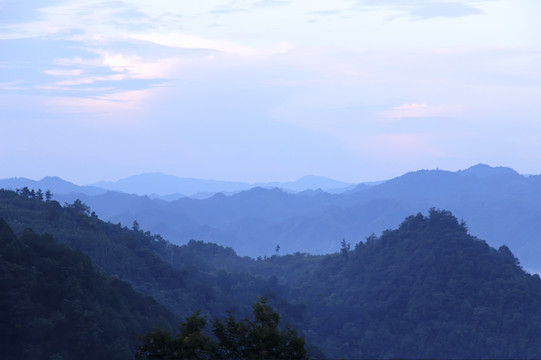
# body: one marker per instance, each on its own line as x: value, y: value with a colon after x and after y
x: 55, y: 305
x: 260, y: 338
x: 427, y: 289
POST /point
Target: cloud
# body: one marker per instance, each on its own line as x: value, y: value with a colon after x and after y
x: 443, y: 9
x: 16, y: 11
x: 325, y: 12
x: 117, y: 103
x: 12, y: 85
x: 63, y: 72
x: 114, y: 72
x: 260, y: 4
x: 424, y: 9
x: 418, y: 110
x: 197, y: 42
x: 270, y: 3
x: 225, y: 10
x: 84, y: 20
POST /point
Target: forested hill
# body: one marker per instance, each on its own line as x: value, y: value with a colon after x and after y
x: 54, y: 304
x: 176, y: 276
x: 499, y: 204
x: 425, y: 290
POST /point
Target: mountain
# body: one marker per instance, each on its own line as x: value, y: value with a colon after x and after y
x: 171, y: 187
x: 53, y: 183
x: 162, y: 185
x: 484, y: 170
x: 427, y: 289
x: 501, y: 206
x: 136, y: 256
x: 310, y: 182
x: 55, y: 304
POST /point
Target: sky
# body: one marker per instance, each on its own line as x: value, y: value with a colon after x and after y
x: 267, y: 90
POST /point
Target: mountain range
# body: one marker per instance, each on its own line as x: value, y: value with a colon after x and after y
x: 425, y: 289
x: 171, y: 187
x: 497, y: 203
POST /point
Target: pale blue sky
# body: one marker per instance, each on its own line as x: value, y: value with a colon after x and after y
x: 265, y: 90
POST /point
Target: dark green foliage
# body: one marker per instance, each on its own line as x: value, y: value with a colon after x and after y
x: 425, y: 290
x: 53, y: 304
x: 182, y: 278
x: 260, y: 338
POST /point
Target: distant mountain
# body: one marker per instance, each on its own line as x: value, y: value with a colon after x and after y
x: 427, y: 289
x: 53, y: 183
x: 499, y: 205
x: 310, y: 182
x: 169, y: 187
x: 161, y: 184
x: 483, y: 170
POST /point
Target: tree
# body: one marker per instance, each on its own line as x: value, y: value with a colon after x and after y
x: 79, y: 207
x: 24, y: 192
x: 344, y: 248
x: 135, y: 226
x: 190, y: 343
x: 260, y: 338
x: 48, y: 195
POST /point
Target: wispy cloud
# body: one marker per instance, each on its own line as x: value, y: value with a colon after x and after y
x: 12, y: 85
x: 63, y: 72
x: 443, y: 9
x: 247, y: 7
x: 197, y: 42
x: 269, y: 3
x: 418, y: 110
x: 425, y: 9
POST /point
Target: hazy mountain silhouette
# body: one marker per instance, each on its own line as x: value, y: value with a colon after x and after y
x: 483, y: 170
x: 498, y: 204
x: 427, y: 289
x: 172, y: 187
x: 53, y: 183
x: 310, y: 182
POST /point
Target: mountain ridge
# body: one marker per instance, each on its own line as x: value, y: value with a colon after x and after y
x: 255, y: 221
x: 170, y: 186
x: 424, y: 289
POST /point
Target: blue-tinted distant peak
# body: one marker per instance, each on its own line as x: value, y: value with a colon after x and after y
x: 310, y: 182
x: 484, y: 170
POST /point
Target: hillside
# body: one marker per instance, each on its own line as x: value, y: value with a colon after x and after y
x: 426, y: 289
x: 54, y: 304
x: 499, y: 204
x: 153, y: 266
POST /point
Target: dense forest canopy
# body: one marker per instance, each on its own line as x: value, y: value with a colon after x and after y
x: 425, y: 289
x: 55, y: 304
x: 257, y: 338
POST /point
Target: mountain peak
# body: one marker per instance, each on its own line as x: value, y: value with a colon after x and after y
x: 483, y: 170
x: 54, y: 180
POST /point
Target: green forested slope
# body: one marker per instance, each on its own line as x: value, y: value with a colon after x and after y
x: 425, y: 290
x: 55, y: 305
x: 182, y: 278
